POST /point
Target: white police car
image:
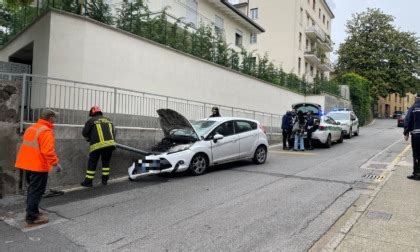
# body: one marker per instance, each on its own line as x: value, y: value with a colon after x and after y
x: 348, y: 120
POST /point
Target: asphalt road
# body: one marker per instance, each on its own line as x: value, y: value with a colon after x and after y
x: 286, y: 204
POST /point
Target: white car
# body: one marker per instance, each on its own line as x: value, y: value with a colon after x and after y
x: 348, y: 120
x: 328, y: 131
x: 196, y: 146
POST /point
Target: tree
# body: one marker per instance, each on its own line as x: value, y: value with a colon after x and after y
x: 376, y: 50
x: 100, y: 11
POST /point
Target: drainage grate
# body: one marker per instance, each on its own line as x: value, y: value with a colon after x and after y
x: 378, y: 215
x: 373, y: 176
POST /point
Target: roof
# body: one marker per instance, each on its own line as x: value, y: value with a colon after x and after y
x: 328, y: 8
x: 238, y: 15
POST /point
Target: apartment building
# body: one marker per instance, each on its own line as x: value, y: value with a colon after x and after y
x: 220, y: 14
x: 386, y: 107
x: 298, y: 34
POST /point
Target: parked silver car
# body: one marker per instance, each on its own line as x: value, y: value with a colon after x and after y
x: 196, y: 146
x: 348, y: 120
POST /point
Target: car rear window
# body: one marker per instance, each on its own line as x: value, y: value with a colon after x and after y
x: 305, y: 108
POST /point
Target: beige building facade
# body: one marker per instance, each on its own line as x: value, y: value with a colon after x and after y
x: 298, y: 34
x: 393, y: 102
x: 219, y: 14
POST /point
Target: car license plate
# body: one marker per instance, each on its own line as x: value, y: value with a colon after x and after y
x: 145, y: 165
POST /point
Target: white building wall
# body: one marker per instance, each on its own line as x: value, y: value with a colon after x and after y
x: 206, y: 13
x: 87, y: 51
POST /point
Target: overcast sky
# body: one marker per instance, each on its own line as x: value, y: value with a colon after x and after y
x: 406, y: 13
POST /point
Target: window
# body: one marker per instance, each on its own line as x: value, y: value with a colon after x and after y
x: 312, y: 71
x: 319, y: 13
x: 306, y: 67
x: 314, y: 4
x: 408, y: 98
x: 328, y: 24
x: 300, y: 40
x: 307, y: 45
x: 308, y: 21
x: 323, y: 19
x: 253, y: 38
x: 395, y: 100
x: 301, y: 15
x: 299, y: 64
x: 238, y: 38
x: 254, y: 13
x: 224, y: 129
x: 218, y: 24
x: 244, y: 126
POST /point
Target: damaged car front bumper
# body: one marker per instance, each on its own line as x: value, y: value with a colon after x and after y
x: 164, y: 163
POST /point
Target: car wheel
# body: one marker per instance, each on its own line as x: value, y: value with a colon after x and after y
x: 350, y: 133
x: 341, y: 138
x: 328, y: 142
x: 260, y: 155
x: 357, y: 132
x: 198, y: 164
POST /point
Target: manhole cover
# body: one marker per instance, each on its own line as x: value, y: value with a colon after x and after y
x: 378, y: 215
x: 373, y: 176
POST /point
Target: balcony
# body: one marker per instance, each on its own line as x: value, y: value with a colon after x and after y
x: 314, y: 32
x: 325, y: 46
x: 325, y: 66
x: 312, y: 57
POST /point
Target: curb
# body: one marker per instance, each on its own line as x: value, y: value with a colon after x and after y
x: 336, y: 240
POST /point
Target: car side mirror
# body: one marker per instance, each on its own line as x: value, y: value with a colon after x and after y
x: 217, y: 137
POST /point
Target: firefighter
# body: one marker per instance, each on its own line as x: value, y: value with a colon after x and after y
x: 36, y: 157
x: 412, y: 125
x: 99, y: 132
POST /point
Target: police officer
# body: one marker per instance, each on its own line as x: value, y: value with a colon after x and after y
x: 286, y: 126
x: 311, y: 127
x: 99, y: 132
x: 412, y: 125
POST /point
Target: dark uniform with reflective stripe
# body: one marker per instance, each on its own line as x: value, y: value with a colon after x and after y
x: 99, y: 132
x: 412, y: 125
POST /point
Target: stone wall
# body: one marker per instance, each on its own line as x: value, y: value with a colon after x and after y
x: 9, y: 138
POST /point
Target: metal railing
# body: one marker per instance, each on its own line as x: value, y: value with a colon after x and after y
x: 127, y: 108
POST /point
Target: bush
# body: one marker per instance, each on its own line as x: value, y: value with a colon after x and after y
x: 359, y: 95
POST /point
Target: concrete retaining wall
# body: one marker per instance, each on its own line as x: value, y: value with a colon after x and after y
x: 9, y: 111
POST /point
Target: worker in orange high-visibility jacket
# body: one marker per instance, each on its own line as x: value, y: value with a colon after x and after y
x: 37, y: 156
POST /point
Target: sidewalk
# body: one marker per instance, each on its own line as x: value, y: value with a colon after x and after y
x: 392, y: 220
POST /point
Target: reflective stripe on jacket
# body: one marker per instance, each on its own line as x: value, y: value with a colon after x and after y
x: 37, y: 151
x: 99, y: 131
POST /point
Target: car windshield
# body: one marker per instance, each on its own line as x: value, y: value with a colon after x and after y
x: 339, y: 116
x: 202, y: 127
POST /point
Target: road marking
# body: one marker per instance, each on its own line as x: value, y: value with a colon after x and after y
x: 299, y: 153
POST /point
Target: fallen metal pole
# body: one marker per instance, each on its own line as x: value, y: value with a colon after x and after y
x: 131, y: 149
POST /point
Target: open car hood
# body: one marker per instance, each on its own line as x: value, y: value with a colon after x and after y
x: 171, y: 121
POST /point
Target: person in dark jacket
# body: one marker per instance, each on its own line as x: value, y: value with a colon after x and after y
x: 299, y: 131
x: 99, y: 132
x: 412, y: 126
x: 215, y: 112
x: 286, y: 126
x: 311, y: 127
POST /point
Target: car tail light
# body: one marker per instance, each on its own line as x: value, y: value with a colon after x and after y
x: 262, y: 128
x: 321, y: 127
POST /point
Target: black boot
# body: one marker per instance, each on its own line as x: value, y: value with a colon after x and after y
x: 87, y: 183
x: 104, y: 180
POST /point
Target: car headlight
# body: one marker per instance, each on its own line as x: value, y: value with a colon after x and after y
x: 179, y: 148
